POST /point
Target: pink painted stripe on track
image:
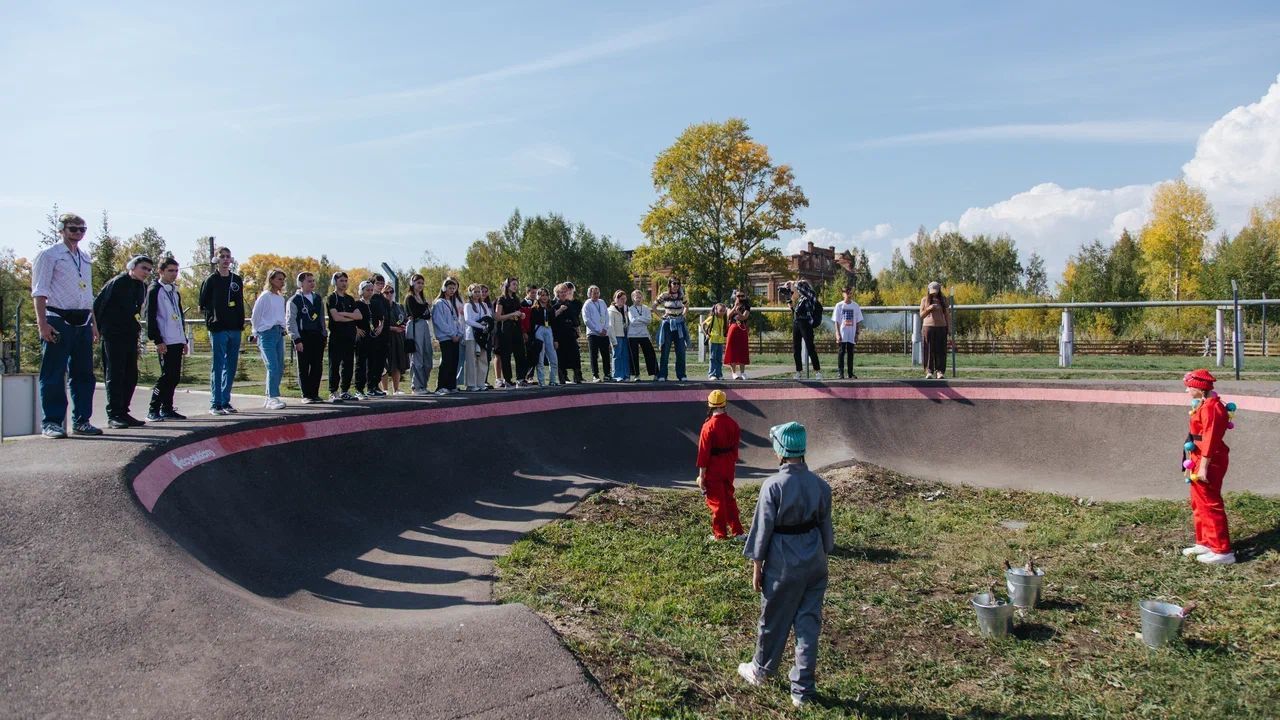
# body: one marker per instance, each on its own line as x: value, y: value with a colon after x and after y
x: 156, y: 477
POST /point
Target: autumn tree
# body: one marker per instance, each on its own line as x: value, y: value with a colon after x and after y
x: 1172, y: 242
x: 721, y: 200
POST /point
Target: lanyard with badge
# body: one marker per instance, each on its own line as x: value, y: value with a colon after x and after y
x: 172, y: 296
x: 308, y: 308
x: 78, y: 261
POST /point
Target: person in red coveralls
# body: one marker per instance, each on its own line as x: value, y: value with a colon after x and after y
x: 1208, y: 460
x: 717, y: 458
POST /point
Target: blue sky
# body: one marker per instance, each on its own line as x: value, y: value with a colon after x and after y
x: 375, y: 131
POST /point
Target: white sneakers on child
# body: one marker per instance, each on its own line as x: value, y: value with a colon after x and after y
x: 751, y: 673
x: 1195, y: 550
x: 1213, y: 558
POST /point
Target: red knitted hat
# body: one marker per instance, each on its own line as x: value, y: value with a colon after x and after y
x: 1199, y: 379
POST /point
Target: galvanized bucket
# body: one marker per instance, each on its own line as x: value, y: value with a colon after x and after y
x: 995, y: 617
x: 1024, y: 586
x: 1161, y: 622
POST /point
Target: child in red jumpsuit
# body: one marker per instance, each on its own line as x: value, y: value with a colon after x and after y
x: 717, y: 459
x: 1209, y: 458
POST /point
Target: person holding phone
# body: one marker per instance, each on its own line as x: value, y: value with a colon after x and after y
x: 933, y: 308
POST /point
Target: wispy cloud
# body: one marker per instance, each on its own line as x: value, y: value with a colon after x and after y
x: 427, y: 133
x: 543, y: 158
x: 1120, y: 131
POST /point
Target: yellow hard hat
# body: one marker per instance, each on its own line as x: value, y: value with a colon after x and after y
x: 716, y: 399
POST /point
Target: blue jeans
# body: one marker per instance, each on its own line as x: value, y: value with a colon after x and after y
x: 271, y: 345
x: 226, y: 355
x: 672, y: 331
x: 547, y: 353
x: 73, y: 352
x: 621, y: 359
x: 716, y: 370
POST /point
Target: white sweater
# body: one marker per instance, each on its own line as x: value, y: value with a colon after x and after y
x: 268, y: 312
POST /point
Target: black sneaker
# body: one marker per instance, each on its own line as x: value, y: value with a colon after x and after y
x: 154, y: 416
x: 84, y: 428
x: 171, y: 414
x: 348, y: 397
x: 133, y: 421
x: 114, y: 424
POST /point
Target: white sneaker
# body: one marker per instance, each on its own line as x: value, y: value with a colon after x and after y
x: 750, y: 673
x: 1213, y: 558
x: 744, y: 376
x: 799, y: 700
x: 1195, y: 550
x: 796, y: 376
x: 817, y: 376
x: 275, y: 404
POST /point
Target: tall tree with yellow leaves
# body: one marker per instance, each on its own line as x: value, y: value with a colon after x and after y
x: 721, y: 199
x: 1172, y: 242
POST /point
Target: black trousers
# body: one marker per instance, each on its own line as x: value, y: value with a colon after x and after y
x: 447, y: 377
x: 311, y: 364
x: 371, y: 358
x: 120, y: 369
x: 637, y: 346
x: 598, y: 345
x: 510, y: 344
x: 935, y: 349
x: 170, y: 373
x: 803, y: 331
x: 569, y: 356
x: 342, y: 354
x: 845, y: 353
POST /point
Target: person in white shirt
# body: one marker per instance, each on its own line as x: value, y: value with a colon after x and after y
x: 476, y: 354
x: 638, y: 341
x: 268, y: 320
x: 62, y: 288
x: 847, y: 318
x: 165, y: 328
x: 595, y: 315
x: 618, y: 336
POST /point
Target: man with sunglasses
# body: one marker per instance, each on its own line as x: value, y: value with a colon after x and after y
x: 62, y: 286
x: 117, y: 310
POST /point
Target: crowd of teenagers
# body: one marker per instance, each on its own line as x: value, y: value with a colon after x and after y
x: 376, y: 343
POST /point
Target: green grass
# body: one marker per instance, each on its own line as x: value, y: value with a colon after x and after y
x: 661, y: 617
x: 251, y: 374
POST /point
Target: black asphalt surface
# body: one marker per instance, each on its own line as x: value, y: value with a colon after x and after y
x: 350, y: 576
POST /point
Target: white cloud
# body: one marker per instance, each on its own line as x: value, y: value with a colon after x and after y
x: 543, y: 159
x: 824, y: 237
x: 1236, y: 163
x: 1123, y: 131
x: 428, y: 133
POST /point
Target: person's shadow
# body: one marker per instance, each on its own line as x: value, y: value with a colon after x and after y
x: 1254, y: 546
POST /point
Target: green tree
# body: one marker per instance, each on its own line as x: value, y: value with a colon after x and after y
x: 434, y: 271
x: 50, y: 235
x: 1124, y: 280
x: 721, y: 199
x: 148, y: 242
x: 1250, y: 258
x: 1035, y: 279
x: 107, y: 261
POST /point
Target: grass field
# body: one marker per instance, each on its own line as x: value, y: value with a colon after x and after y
x: 661, y: 617
x: 1042, y: 367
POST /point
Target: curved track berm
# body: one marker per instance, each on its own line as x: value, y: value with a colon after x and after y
x: 352, y: 549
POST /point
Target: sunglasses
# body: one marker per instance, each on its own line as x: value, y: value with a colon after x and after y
x: 76, y: 228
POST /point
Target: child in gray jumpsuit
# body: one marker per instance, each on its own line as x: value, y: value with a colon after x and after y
x: 788, y: 545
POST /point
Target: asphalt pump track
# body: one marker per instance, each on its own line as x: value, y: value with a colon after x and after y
x: 338, y: 561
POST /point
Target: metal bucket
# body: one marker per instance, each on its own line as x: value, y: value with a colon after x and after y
x: 1161, y: 622
x: 995, y: 617
x: 1024, y: 587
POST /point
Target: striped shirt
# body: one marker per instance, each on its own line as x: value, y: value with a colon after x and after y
x: 63, y: 278
x: 672, y: 305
